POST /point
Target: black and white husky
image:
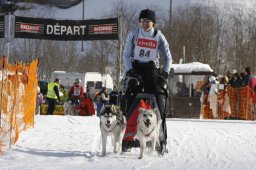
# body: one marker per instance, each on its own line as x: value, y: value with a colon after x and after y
x: 148, y: 129
x: 112, y: 123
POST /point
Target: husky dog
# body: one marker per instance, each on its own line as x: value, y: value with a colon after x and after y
x: 69, y: 109
x: 148, y: 129
x: 112, y: 123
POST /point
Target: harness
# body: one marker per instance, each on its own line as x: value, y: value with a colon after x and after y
x: 147, y: 135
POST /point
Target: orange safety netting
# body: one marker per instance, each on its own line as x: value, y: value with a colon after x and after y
x: 18, y: 87
x: 239, y: 101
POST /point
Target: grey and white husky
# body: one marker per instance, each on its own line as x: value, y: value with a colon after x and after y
x: 148, y: 129
x: 112, y: 123
x: 69, y: 109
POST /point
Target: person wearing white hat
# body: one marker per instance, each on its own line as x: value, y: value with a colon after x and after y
x: 213, y: 96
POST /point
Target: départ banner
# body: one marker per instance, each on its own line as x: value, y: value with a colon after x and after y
x: 66, y: 30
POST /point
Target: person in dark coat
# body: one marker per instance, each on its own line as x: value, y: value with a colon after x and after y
x: 238, y: 81
x: 247, y: 77
x: 113, y: 96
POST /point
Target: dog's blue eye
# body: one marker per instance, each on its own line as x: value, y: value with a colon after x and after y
x: 144, y: 115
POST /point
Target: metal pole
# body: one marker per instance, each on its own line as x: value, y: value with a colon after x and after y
x: 9, y: 36
x: 120, y: 47
x: 121, y: 43
x: 190, y: 85
x: 82, y: 49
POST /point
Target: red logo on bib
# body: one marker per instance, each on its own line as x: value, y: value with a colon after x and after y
x: 147, y: 43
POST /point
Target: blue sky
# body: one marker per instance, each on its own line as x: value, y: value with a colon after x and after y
x: 94, y: 8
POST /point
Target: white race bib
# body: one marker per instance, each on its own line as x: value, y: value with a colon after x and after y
x: 146, y: 48
x: 77, y: 91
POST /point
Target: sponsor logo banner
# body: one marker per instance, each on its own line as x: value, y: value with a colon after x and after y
x: 147, y: 43
x: 1, y: 26
x: 59, y: 109
x: 66, y: 30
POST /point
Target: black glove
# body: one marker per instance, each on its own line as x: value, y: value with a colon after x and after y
x: 165, y: 74
x: 131, y: 73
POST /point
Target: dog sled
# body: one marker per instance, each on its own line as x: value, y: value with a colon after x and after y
x: 79, y: 108
x: 130, y: 102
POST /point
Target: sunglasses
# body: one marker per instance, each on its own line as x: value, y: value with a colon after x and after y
x: 145, y: 20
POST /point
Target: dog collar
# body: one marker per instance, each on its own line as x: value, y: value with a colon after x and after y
x: 147, y: 134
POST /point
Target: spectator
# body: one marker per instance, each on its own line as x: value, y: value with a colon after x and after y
x: 89, y: 91
x: 76, y: 92
x: 252, y: 85
x: 242, y: 75
x: 225, y: 101
x: 101, y: 99
x: 238, y: 82
x: 86, y: 108
x: 248, y: 76
x: 39, y: 101
x: 254, y: 103
x: 104, y: 96
x: 64, y: 96
x: 229, y: 75
x: 213, y: 96
x: 206, y: 86
x: 224, y: 81
x: 231, y: 79
x: 52, y: 96
x: 113, y: 96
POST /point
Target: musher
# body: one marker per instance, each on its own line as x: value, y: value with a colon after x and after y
x: 141, y: 59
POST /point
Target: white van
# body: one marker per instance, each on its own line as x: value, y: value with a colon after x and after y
x: 93, y: 82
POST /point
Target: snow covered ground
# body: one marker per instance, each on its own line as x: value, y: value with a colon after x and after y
x: 68, y: 142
